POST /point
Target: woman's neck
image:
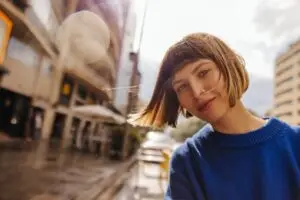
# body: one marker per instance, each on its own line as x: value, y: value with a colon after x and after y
x: 238, y: 120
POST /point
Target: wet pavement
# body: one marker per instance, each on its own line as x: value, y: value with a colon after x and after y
x: 144, y: 184
x: 36, y: 171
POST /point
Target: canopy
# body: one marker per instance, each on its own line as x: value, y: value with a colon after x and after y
x: 99, y: 112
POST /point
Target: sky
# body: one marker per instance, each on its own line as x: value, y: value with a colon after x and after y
x: 256, y: 29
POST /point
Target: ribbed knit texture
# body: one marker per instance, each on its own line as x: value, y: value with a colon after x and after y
x: 259, y: 165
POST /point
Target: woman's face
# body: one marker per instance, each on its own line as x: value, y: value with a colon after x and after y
x: 200, y: 89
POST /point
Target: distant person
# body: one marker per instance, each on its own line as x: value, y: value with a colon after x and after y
x: 237, y: 155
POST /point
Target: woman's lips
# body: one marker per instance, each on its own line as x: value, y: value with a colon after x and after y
x: 205, y: 106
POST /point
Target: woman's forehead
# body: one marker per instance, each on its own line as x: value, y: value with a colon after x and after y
x: 191, y: 68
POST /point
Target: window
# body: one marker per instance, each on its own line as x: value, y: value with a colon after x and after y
x: 284, y: 114
x: 284, y: 70
x: 42, y: 9
x: 82, y: 92
x: 287, y: 102
x: 21, y: 4
x: 284, y: 81
x: 92, y: 99
x: 283, y: 92
x: 22, y: 52
x: 46, y: 66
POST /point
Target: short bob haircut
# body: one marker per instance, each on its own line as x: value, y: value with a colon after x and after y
x: 164, y: 106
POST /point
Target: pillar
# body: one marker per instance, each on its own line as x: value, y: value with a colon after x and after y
x: 48, y: 123
x: 90, y: 136
x: 69, y: 118
x: 79, y: 134
x: 57, y: 77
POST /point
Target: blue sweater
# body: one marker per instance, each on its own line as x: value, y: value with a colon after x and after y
x: 260, y: 165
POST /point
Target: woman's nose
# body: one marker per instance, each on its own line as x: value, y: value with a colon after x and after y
x: 197, y: 88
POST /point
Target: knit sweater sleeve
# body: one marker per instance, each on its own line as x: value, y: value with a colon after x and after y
x: 179, y: 187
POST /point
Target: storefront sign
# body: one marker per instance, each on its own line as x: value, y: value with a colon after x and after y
x: 5, y: 31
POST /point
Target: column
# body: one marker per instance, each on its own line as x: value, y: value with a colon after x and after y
x: 90, y: 136
x: 48, y: 123
x: 55, y: 91
x: 79, y: 134
x: 68, y: 124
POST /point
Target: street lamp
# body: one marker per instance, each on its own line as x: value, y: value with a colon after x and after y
x: 5, y: 30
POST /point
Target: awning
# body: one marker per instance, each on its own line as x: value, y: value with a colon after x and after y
x: 22, y: 26
x: 99, y: 112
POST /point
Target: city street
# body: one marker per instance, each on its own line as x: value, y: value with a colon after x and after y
x: 145, y: 186
x: 33, y: 171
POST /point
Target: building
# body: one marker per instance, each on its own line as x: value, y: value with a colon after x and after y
x: 5, y: 30
x: 28, y: 60
x: 52, y: 71
x: 126, y: 64
x: 287, y: 85
x: 268, y: 113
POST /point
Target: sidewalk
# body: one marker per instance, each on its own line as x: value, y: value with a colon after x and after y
x: 30, y: 171
x: 145, y: 186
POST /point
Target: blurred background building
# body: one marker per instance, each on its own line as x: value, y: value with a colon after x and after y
x: 49, y: 74
x: 286, y: 85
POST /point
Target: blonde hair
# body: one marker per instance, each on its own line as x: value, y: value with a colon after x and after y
x: 164, y: 106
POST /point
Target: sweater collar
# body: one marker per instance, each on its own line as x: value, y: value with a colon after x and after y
x: 271, y: 128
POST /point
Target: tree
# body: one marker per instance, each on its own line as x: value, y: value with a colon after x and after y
x: 186, y: 129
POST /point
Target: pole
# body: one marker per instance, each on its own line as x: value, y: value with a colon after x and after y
x: 132, y: 83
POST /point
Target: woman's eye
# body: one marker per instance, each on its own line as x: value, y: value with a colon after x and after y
x: 203, y: 73
x: 181, y: 88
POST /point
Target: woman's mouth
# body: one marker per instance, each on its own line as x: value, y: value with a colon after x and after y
x: 205, y: 106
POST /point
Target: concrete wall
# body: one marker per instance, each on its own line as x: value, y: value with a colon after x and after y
x: 24, y: 62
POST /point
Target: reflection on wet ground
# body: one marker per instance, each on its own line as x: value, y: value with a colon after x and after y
x: 144, y: 184
x: 31, y: 169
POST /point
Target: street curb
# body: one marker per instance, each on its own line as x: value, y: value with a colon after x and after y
x: 111, y: 192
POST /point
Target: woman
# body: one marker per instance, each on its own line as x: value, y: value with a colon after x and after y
x: 237, y: 155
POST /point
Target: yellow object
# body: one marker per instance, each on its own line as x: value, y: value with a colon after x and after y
x: 66, y: 89
x: 164, y: 166
x: 5, y: 30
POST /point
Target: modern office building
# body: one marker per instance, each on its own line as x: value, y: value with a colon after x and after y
x: 287, y: 85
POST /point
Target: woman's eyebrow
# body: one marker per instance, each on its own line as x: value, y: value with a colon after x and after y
x: 199, y: 66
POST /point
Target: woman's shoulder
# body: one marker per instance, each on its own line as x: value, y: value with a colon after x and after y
x: 289, y: 131
x: 193, y: 144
